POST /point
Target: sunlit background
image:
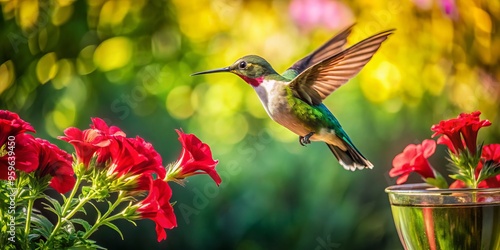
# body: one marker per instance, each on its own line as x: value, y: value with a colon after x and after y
x: 129, y: 62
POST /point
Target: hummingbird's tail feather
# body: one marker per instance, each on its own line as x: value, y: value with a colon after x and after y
x: 351, y: 159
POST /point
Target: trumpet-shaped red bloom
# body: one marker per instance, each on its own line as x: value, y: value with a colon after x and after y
x: 11, y: 125
x: 461, y: 131
x: 15, y: 147
x: 86, y: 143
x: 196, y: 158
x: 414, y: 159
x: 95, y: 140
x: 134, y: 156
x: 471, y: 125
x: 156, y: 207
x: 491, y: 152
x: 55, y: 162
x: 24, y: 156
x: 451, y: 129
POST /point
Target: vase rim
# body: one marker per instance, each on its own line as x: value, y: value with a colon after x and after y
x: 416, y: 188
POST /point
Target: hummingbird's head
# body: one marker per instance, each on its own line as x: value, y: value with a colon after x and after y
x: 253, y: 69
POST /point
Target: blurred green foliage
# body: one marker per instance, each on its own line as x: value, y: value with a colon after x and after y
x: 129, y: 62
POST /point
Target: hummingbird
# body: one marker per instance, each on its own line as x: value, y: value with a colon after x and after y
x: 294, y: 99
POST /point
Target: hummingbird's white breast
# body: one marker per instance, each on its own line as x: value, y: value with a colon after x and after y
x: 274, y: 97
x: 276, y: 101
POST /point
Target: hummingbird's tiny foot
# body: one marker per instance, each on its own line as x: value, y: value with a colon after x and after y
x: 303, y: 140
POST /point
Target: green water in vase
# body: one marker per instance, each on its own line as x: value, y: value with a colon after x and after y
x: 451, y: 227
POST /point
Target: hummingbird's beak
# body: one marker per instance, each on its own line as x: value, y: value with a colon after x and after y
x: 226, y: 69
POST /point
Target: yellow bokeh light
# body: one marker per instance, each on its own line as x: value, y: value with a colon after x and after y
x: 462, y: 95
x: 7, y: 75
x: 113, y: 53
x: 223, y: 98
x: 113, y: 12
x: 64, y: 74
x: 198, y: 21
x: 434, y: 79
x: 62, y: 117
x: 61, y: 14
x: 65, y: 2
x: 46, y: 67
x: 84, y: 63
x: 384, y: 80
x: 231, y: 129
x: 179, y: 103
x: 28, y: 13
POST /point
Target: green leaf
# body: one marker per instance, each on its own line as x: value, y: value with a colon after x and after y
x: 114, y: 227
x: 55, y: 204
x: 97, y: 210
x: 82, y: 209
x: 438, y: 182
x: 49, y: 208
x: 82, y: 222
x: 131, y: 221
x: 460, y: 177
x: 42, y: 225
x: 490, y: 169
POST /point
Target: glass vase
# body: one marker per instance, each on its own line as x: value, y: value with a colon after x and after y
x: 430, y: 218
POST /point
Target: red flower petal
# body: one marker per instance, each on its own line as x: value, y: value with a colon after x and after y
x: 55, y: 162
x: 491, y: 152
x: 414, y: 159
x: 196, y: 157
x: 428, y: 148
x: 25, y: 156
x: 134, y: 156
x: 156, y: 207
x: 12, y: 125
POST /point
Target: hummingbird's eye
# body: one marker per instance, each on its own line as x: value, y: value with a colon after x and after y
x: 242, y: 65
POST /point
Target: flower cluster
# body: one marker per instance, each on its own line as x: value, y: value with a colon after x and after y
x: 105, y: 162
x: 472, y: 165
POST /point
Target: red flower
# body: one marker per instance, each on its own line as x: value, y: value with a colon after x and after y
x: 450, y: 129
x: 86, y: 143
x: 414, y: 159
x: 465, y: 127
x: 491, y: 152
x: 12, y: 125
x: 55, y: 162
x: 92, y: 141
x: 24, y: 156
x: 471, y: 125
x: 195, y: 158
x: 134, y: 156
x: 16, y: 151
x: 444, y: 140
x: 156, y: 207
x: 106, y: 134
x: 100, y: 125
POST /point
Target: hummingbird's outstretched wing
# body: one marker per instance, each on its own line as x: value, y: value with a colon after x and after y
x: 329, y: 49
x: 317, y: 82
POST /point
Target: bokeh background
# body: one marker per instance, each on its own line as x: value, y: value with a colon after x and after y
x: 129, y: 62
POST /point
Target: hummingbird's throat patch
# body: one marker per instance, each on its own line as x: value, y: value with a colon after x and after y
x: 252, y: 81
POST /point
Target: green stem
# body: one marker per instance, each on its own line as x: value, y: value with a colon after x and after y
x: 60, y: 220
x: 473, y: 177
x: 103, y: 219
x: 31, y: 202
